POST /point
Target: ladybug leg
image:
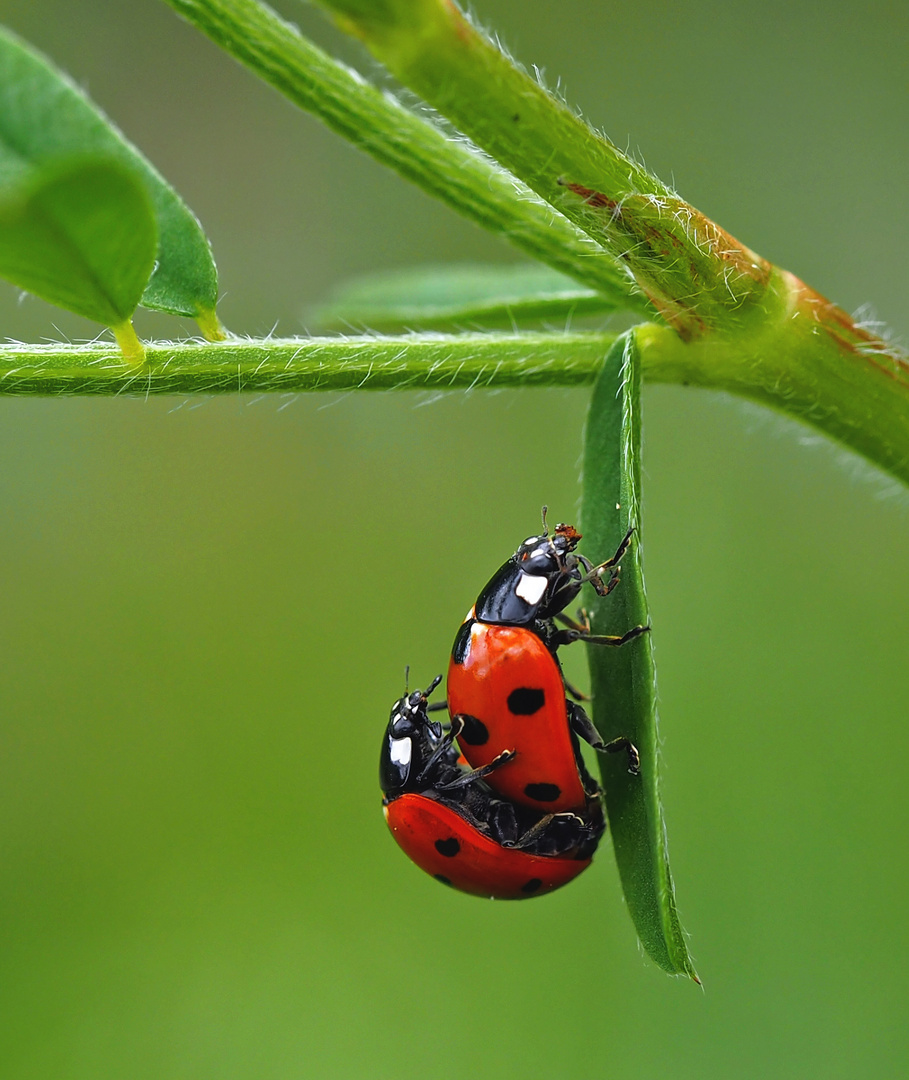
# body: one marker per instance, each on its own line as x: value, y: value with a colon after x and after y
x: 622, y: 745
x: 573, y: 691
x: 437, y: 706
x: 533, y: 832
x: 581, y: 624
x: 604, y: 588
x: 566, y: 637
x: 595, y: 573
x: 619, y: 551
x: 457, y: 726
x: 477, y: 774
x: 503, y: 822
x: 433, y: 759
x: 559, y: 833
x: 454, y: 730
x: 582, y: 725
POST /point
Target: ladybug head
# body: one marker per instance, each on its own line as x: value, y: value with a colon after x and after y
x: 547, y: 554
x: 409, y: 713
x: 411, y: 739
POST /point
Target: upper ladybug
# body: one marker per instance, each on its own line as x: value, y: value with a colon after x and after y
x: 505, y: 685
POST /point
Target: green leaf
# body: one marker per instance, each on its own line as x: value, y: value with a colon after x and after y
x: 81, y: 234
x: 45, y: 118
x: 444, y: 297
x: 624, y: 691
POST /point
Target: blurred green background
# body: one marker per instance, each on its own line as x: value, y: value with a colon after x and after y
x: 208, y: 606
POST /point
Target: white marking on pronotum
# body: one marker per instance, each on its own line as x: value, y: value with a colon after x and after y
x: 531, y: 588
x: 401, y: 749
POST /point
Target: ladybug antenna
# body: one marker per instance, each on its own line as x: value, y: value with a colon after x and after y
x: 545, y: 526
x: 407, y: 679
x: 429, y: 689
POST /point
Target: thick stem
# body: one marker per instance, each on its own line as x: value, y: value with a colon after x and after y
x: 697, y: 275
x: 812, y: 364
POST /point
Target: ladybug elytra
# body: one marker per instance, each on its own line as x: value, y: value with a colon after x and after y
x: 453, y: 826
x: 505, y: 683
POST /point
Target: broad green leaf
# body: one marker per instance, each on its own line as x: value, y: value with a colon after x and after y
x: 45, y: 118
x: 624, y: 691
x: 442, y: 297
x: 82, y: 235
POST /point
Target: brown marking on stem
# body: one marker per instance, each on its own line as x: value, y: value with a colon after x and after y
x: 681, y: 317
x: 593, y: 198
x: 851, y: 339
x: 705, y: 233
x: 462, y: 27
x: 636, y: 213
x: 674, y: 251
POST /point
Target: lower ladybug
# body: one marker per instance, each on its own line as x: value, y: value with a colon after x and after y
x: 505, y: 684
x: 449, y: 822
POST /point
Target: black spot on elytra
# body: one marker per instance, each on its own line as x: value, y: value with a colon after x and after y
x: 541, y: 793
x: 526, y: 700
x: 530, y: 887
x: 461, y: 648
x: 442, y: 878
x: 474, y: 732
x: 449, y: 848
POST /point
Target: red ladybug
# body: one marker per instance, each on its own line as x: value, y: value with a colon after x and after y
x: 452, y: 825
x: 505, y: 684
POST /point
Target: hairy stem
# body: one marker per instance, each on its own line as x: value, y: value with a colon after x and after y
x: 696, y: 274
x: 409, y: 144
x: 855, y: 397
x: 365, y: 363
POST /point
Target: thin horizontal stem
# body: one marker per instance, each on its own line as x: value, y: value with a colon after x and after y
x: 365, y: 363
x: 855, y: 397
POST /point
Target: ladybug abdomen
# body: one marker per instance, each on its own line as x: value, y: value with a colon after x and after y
x: 507, y: 688
x: 441, y: 842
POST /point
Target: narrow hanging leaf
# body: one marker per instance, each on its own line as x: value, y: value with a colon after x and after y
x: 446, y: 297
x: 622, y: 679
x: 82, y: 235
x: 45, y: 119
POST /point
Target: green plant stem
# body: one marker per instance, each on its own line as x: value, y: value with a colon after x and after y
x: 812, y: 366
x: 413, y: 147
x: 753, y: 328
x: 433, y: 361
x: 697, y: 275
x: 855, y: 399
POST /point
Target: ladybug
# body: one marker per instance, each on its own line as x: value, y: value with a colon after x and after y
x: 449, y: 822
x: 505, y: 684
